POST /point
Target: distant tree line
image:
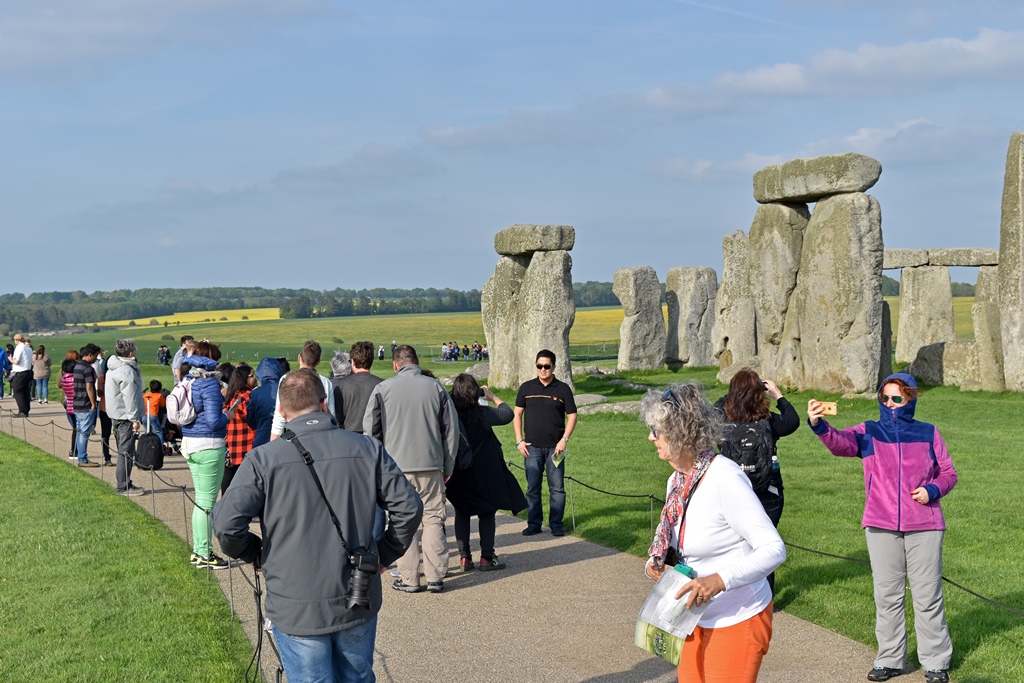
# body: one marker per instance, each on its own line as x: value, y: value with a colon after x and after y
x: 891, y: 287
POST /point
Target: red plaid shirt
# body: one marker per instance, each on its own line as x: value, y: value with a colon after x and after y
x: 240, y: 436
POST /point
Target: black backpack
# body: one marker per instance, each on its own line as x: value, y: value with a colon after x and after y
x: 750, y: 445
x: 149, y: 452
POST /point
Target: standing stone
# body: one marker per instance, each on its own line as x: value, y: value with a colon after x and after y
x: 690, y: 293
x: 642, y: 333
x: 836, y: 308
x: 950, y: 363
x: 989, y: 343
x: 775, y: 240
x: 500, y: 308
x: 926, y: 310
x: 807, y: 180
x: 548, y: 309
x: 1011, y: 266
x: 520, y: 240
x: 987, y: 287
x: 734, y: 328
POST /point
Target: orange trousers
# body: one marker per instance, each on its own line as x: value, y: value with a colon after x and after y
x: 731, y: 654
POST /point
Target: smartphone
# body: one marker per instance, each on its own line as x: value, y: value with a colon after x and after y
x: 830, y: 408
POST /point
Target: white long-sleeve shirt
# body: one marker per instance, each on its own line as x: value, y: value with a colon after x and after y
x: 278, y: 423
x: 729, y: 534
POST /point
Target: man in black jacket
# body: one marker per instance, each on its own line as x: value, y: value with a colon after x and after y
x: 309, y: 570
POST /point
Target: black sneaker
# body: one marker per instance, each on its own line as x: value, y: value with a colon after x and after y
x: 489, y: 565
x: 883, y: 673
x: 531, y: 531
x: 435, y: 586
x: 936, y: 676
x: 134, y: 490
x: 211, y: 562
x: 400, y: 585
x: 557, y: 532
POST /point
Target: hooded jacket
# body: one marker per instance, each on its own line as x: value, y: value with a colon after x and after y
x: 899, y: 454
x: 260, y: 411
x: 122, y: 387
x: 211, y: 422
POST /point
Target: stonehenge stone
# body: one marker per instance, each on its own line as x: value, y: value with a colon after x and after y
x: 904, y: 258
x: 807, y: 180
x: 963, y: 257
x: 690, y: 293
x: 948, y: 363
x: 1011, y: 265
x: 519, y: 240
x: 926, y: 310
x: 885, y: 358
x: 500, y: 308
x: 642, y: 333
x: 734, y: 326
x: 548, y: 310
x: 987, y: 287
x: 988, y: 340
x: 774, y: 242
x: 836, y: 309
x: 726, y: 374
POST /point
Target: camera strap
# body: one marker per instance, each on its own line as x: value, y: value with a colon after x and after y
x: 291, y: 438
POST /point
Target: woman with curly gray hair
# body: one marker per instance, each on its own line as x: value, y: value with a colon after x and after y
x: 713, y: 523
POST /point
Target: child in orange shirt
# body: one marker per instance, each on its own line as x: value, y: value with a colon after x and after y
x: 155, y: 403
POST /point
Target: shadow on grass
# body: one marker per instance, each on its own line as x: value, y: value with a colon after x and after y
x: 798, y: 577
x: 984, y: 626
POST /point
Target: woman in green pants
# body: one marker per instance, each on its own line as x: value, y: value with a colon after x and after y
x: 203, y: 445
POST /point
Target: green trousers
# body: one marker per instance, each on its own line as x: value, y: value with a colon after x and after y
x: 207, y: 469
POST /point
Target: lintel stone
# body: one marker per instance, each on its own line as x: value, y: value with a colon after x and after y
x: 522, y: 239
x: 963, y: 257
x: 893, y: 259
x: 808, y: 180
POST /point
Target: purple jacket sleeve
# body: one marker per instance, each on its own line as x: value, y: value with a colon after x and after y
x: 947, y: 473
x: 843, y: 443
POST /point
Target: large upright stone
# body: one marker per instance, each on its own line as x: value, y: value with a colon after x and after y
x: 926, y: 310
x: 520, y: 239
x: 989, y: 344
x: 836, y: 308
x: 807, y: 180
x: 690, y: 293
x: 987, y: 287
x: 885, y: 358
x: 1011, y: 265
x: 500, y: 308
x: 775, y: 240
x: 734, y: 327
x: 642, y: 332
x: 950, y: 363
x: 548, y: 309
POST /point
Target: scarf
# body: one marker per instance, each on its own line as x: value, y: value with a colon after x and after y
x: 682, y: 487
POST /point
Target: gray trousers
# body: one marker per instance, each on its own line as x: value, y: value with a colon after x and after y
x: 125, y: 436
x: 897, y: 557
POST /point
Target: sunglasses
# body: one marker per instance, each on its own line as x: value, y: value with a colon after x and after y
x: 543, y: 366
x: 669, y: 398
x: 895, y: 398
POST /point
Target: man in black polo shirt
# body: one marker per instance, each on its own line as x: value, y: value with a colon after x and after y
x: 546, y: 402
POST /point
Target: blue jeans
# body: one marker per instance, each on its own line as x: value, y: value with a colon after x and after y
x: 539, y: 460
x: 343, y: 656
x: 85, y: 420
x: 43, y: 389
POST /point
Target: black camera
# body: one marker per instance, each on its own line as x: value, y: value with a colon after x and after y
x: 479, y: 392
x: 364, y: 570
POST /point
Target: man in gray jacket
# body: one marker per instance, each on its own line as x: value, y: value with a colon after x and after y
x: 415, y: 419
x: 122, y: 388
x: 308, y: 570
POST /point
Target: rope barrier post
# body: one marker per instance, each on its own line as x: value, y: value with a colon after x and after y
x: 651, y: 500
x: 152, y: 489
x: 184, y: 514
x: 53, y: 439
x: 231, y: 593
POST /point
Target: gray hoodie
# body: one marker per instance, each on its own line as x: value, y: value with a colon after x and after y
x: 123, y: 390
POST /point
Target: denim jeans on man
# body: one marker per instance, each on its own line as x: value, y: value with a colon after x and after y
x: 85, y: 420
x: 539, y: 460
x: 344, y: 656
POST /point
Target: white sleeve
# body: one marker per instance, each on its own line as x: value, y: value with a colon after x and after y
x: 746, y: 516
x: 329, y: 388
x: 277, y: 426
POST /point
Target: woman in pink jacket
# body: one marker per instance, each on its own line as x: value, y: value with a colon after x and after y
x: 906, y: 471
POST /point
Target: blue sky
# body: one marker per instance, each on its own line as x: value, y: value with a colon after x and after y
x: 309, y: 143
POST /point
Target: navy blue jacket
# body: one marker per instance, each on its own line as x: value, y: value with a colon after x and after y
x: 262, y: 400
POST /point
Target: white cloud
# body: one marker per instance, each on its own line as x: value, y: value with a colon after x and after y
x: 69, y: 36
x: 372, y: 163
x: 517, y: 130
x: 706, y: 169
x: 915, y: 141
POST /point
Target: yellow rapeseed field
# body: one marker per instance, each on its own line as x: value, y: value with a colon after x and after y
x: 194, y: 317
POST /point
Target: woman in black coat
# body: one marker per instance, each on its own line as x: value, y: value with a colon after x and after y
x: 747, y: 401
x: 486, y: 485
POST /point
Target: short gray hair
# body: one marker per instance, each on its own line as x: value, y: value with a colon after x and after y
x: 341, y: 364
x: 124, y: 347
x: 686, y: 418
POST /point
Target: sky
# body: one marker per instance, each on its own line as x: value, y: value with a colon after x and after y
x: 323, y: 144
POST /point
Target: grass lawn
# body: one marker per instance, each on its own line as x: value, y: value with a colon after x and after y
x: 824, y: 503
x: 92, y: 588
